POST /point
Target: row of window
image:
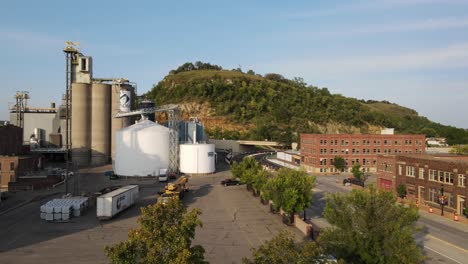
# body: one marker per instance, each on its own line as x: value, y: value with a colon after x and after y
x: 367, y: 151
x: 365, y: 142
x: 434, y: 197
x: 434, y: 175
x: 365, y: 162
x: 335, y: 170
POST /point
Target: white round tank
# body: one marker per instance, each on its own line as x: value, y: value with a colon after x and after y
x: 197, y: 158
x: 141, y: 149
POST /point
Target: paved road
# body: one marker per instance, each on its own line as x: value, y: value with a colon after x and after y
x: 443, y: 242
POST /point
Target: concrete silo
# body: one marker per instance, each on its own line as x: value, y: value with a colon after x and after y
x: 81, y: 123
x: 100, y: 123
x: 123, y: 95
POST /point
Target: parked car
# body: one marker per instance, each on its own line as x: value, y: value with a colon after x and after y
x: 111, y: 175
x: 163, y: 175
x: 230, y: 181
x: 353, y: 181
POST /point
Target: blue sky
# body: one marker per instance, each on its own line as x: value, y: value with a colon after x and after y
x: 411, y: 52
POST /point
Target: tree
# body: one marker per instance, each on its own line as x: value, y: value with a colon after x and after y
x: 164, y: 235
x: 401, y: 191
x: 459, y: 150
x: 246, y: 170
x: 357, y: 172
x: 282, y: 249
x: 290, y: 190
x: 339, y: 163
x: 369, y: 227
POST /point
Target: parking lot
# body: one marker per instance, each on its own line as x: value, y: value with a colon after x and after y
x: 233, y: 222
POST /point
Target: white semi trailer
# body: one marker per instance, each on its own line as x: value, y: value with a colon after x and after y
x: 110, y: 204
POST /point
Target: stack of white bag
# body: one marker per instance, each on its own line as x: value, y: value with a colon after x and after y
x: 64, y: 209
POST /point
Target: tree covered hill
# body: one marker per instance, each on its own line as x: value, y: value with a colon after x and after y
x: 233, y: 104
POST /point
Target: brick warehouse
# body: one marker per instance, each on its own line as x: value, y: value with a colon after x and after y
x: 319, y: 150
x: 424, y: 175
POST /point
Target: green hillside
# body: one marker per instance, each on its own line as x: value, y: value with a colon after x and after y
x: 272, y: 107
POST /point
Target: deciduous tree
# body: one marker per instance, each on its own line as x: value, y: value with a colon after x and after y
x: 164, y: 235
x: 370, y: 227
x: 282, y: 249
x: 339, y: 163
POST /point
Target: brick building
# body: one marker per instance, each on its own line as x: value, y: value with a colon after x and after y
x: 319, y: 150
x: 12, y: 163
x: 424, y: 175
x: 11, y: 140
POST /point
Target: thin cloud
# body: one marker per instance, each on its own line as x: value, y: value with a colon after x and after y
x: 30, y: 38
x: 423, y: 25
x: 454, y: 56
x: 369, y: 6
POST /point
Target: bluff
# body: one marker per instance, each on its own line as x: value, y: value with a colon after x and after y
x: 235, y: 105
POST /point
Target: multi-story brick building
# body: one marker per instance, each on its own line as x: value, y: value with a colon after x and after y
x: 12, y: 163
x: 424, y: 176
x: 319, y: 150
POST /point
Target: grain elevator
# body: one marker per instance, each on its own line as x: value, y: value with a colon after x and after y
x: 90, y: 106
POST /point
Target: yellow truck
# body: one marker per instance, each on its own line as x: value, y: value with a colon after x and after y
x: 177, y: 188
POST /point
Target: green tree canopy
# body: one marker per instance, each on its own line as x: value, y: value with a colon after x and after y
x: 282, y: 249
x: 459, y: 150
x: 339, y: 163
x: 369, y: 227
x: 290, y: 190
x: 357, y: 172
x: 401, y: 191
x: 246, y: 170
x: 164, y: 235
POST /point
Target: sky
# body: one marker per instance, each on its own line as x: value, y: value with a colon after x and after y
x: 410, y: 52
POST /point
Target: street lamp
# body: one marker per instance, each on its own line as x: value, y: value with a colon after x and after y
x: 442, y: 199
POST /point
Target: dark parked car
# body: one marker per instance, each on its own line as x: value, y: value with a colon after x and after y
x: 353, y: 181
x: 230, y: 181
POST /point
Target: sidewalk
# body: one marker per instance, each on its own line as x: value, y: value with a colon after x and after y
x: 447, y: 219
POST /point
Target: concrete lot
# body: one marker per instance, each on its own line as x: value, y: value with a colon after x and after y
x: 234, y: 221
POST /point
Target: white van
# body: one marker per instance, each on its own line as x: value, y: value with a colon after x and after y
x: 162, y: 175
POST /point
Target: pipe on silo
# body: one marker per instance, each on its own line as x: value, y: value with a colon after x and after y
x: 100, y: 123
x: 81, y: 123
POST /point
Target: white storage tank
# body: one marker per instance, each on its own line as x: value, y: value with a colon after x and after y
x: 197, y: 158
x: 141, y: 149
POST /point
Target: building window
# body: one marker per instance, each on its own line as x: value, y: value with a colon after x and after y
x: 421, y: 173
x: 0, y: 166
x: 432, y: 175
x: 433, y: 195
x: 450, y: 199
x: 461, y: 180
x: 441, y: 176
x: 448, y: 177
x: 410, y: 171
x: 400, y: 170
x: 12, y: 166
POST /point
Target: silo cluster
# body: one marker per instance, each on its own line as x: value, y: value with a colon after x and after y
x: 94, y: 102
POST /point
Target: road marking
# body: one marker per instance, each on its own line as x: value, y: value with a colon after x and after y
x: 443, y: 255
x: 448, y: 243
